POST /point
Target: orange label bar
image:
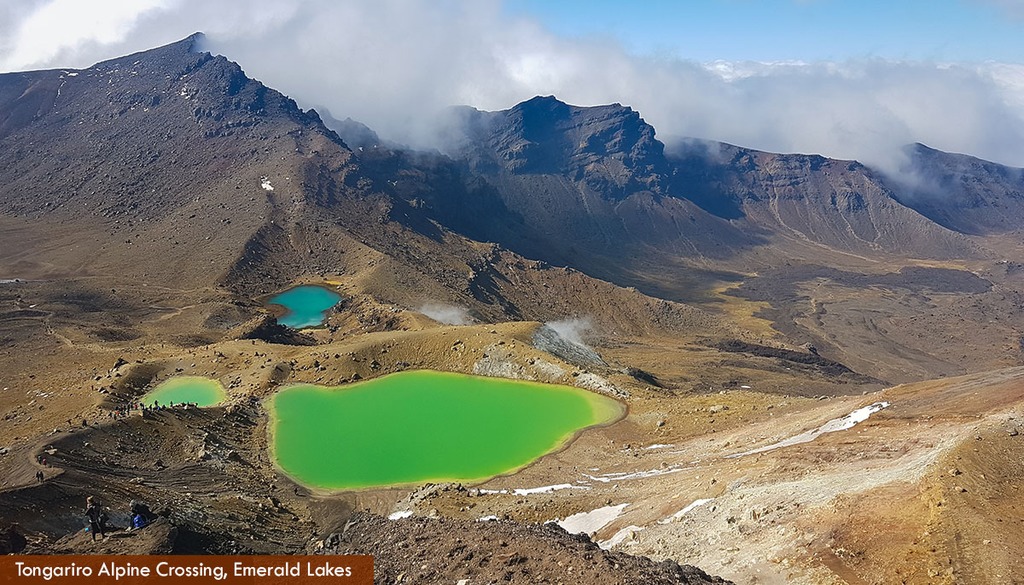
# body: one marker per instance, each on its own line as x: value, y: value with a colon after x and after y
x: 185, y: 570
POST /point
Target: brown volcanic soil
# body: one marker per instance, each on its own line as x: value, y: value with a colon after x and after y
x: 897, y: 323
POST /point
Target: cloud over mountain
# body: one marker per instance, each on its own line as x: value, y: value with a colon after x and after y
x: 395, y: 64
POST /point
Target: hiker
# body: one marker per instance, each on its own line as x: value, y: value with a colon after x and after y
x: 140, y: 515
x: 39, y: 476
x: 97, y: 517
x: 138, y: 521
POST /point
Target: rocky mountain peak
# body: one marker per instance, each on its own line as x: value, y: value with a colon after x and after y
x: 609, y: 147
x: 98, y: 130
x: 181, y: 56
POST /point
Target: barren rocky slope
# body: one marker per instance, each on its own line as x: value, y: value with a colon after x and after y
x: 963, y: 193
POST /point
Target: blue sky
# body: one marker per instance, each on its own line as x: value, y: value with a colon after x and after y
x: 805, y: 30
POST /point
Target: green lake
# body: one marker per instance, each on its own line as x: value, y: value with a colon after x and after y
x: 424, y: 426
x: 202, y: 391
x: 307, y: 305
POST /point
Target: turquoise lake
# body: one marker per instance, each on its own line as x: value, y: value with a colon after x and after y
x: 201, y: 391
x: 306, y: 305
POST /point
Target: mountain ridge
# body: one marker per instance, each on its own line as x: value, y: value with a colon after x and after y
x: 605, y: 181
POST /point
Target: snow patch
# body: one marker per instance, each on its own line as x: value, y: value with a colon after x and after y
x: 592, y: 521
x: 609, y: 477
x: 657, y: 446
x: 620, y: 536
x: 490, y: 518
x: 691, y: 506
x: 547, y: 489
x: 265, y: 183
x: 537, y: 490
x: 399, y: 515
x: 837, y: 424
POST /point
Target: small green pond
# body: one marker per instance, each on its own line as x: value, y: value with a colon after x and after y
x: 202, y: 391
x: 306, y: 305
x: 424, y: 426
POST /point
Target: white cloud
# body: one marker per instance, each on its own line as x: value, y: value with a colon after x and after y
x: 394, y: 64
x: 57, y: 27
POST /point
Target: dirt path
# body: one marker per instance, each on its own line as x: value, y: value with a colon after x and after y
x: 21, y: 472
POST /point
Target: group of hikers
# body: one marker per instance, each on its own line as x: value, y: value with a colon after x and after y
x: 121, y: 411
x: 41, y: 460
x: 97, y: 517
x: 157, y: 406
x: 125, y: 410
x: 140, y: 406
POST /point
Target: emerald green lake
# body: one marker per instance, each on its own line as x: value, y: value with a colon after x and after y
x: 202, y: 391
x: 306, y: 305
x: 424, y: 426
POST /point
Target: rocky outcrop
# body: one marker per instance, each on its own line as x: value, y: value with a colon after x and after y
x: 609, y: 148
x: 11, y: 540
x: 548, y: 339
x: 161, y: 537
x: 447, y: 551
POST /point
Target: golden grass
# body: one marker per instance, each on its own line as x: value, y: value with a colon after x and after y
x: 741, y: 312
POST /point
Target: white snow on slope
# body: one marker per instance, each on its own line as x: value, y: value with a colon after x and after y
x: 610, y: 477
x: 837, y: 424
x: 592, y: 521
x: 692, y: 505
x: 537, y: 490
x: 620, y: 536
